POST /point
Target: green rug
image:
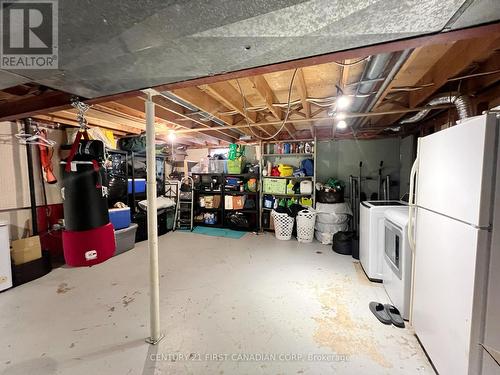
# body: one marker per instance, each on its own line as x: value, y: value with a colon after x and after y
x: 219, y: 232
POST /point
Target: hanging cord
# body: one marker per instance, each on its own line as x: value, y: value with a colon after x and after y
x: 351, y: 63
x: 286, y: 115
x: 82, y: 109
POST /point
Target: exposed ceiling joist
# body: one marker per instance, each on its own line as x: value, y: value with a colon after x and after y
x: 456, y: 60
x: 226, y: 94
x: 135, y: 106
x: 165, y: 104
x: 265, y: 92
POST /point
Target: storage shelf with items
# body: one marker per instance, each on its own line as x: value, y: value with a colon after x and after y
x: 227, y: 200
x: 208, y: 199
x: 288, y: 176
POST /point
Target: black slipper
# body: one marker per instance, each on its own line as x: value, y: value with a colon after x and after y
x: 379, y: 311
x: 394, y: 315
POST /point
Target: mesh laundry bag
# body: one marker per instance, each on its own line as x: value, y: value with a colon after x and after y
x: 305, y: 225
x: 283, y: 225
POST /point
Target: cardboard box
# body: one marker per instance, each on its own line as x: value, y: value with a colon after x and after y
x: 25, y: 250
x: 216, y: 202
x: 238, y: 202
x: 228, y: 202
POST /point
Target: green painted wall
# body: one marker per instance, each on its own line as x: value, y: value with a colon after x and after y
x: 339, y: 159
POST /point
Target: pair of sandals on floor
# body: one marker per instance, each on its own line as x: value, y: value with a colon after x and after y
x: 387, y: 314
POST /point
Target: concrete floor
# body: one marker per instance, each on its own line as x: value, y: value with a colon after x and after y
x: 250, y: 306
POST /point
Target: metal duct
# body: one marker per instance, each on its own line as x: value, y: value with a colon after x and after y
x: 374, y: 69
x: 461, y: 103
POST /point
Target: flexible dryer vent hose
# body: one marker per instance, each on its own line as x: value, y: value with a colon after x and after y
x: 461, y: 103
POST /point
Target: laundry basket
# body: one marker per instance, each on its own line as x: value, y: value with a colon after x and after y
x: 283, y: 225
x: 305, y: 225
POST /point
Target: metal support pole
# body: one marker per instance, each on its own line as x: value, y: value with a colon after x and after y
x: 154, y: 278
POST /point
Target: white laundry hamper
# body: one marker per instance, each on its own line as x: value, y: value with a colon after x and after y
x: 306, y: 220
x: 283, y: 225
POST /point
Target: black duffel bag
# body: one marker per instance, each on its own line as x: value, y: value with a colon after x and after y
x: 331, y: 196
x: 132, y: 143
x: 117, y: 189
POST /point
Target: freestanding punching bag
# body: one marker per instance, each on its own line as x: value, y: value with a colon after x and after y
x: 88, y: 237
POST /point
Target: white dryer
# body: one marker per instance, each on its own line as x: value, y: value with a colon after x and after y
x: 371, y: 235
x: 397, y: 260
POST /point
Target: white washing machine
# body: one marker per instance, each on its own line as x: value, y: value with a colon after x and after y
x: 397, y: 260
x: 5, y: 270
x: 371, y: 235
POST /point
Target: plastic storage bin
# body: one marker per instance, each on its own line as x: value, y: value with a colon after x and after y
x: 235, y: 166
x: 120, y: 217
x: 305, y: 225
x: 275, y: 185
x: 125, y: 239
x: 217, y: 166
x: 283, y: 225
x: 140, y: 185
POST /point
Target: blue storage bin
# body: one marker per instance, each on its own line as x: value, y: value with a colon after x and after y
x: 120, y: 217
x: 140, y: 185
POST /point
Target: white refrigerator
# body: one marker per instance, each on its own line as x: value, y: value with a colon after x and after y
x: 450, y: 230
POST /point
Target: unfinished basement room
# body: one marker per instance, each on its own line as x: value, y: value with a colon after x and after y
x: 255, y: 187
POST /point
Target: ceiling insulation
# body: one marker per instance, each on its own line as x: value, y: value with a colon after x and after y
x: 116, y: 46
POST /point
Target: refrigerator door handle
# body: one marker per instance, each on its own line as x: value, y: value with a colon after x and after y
x: 411, y: 204
x: 410, y: 228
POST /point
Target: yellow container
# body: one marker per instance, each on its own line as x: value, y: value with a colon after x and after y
x: 285, y: 170
x: 306, y: 202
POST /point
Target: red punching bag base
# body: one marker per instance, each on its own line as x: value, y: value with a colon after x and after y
x: 88, y: 247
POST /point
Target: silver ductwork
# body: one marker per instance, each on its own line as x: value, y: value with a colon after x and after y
x: 461, y: 103
x: 374, y: 70
x: 378, y: 74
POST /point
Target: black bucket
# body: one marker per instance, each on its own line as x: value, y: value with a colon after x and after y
x: 85, y: 201
x: 342, y: 242
x: 355, y: 247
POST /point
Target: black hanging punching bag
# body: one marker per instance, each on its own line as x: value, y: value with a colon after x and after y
x: 85, y: 196
x: 88, y: 238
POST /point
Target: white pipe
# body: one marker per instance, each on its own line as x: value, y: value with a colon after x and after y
x: 154, y: 278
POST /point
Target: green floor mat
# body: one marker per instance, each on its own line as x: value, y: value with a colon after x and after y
x: 219, y: 232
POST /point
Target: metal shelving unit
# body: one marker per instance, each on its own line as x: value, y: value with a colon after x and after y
x: 265, y: 156
x: 223, y: 192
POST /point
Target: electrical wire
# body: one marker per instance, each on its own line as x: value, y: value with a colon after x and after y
x: 286, y: 115
x: 351, y: 63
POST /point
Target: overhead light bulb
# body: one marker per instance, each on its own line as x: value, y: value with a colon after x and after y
x: 341, y: 124
x: 171, y: 136
x: 343, y: 102
x: 340, y: 116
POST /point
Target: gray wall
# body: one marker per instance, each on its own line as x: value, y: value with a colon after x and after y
x: 341, y: 158
x: 407, y: 152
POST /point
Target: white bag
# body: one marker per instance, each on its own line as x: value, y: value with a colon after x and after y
x: 326, y: 238
x: 333, y: 213
x: 331, y: 228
